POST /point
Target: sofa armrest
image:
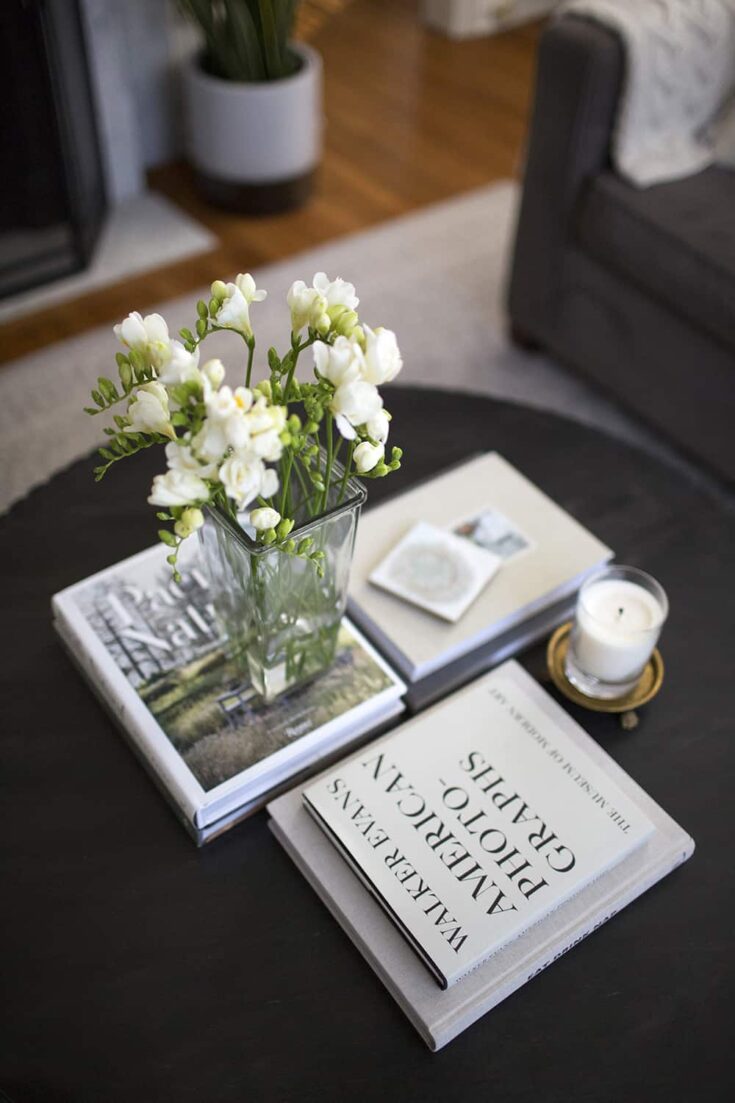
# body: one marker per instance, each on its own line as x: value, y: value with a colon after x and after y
x: 578, y: 80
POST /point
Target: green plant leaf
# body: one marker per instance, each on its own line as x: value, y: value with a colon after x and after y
x: 272, y: 46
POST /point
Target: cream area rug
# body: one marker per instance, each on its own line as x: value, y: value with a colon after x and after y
x: 437, y: 277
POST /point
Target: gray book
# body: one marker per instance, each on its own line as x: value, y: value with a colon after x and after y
x: 546, y: 555
x: 440, y: 1014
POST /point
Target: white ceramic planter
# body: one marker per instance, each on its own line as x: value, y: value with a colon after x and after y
x: 255, y: 145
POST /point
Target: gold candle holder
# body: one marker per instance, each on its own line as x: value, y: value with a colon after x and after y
x: 645, y: 689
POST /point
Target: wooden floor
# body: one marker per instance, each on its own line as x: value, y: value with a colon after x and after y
x: 412, y: 118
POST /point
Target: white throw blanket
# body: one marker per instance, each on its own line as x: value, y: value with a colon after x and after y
x: 676, y: 113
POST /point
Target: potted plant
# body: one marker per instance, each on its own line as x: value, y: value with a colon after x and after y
x: 265, y: 472
x: 253, y: 101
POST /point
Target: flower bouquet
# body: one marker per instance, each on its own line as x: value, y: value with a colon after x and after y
x: 265, y: 472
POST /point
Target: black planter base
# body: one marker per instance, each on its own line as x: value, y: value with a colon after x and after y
x: 256, y: 199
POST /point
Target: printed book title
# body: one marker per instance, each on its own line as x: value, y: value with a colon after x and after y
x: 505, y: 876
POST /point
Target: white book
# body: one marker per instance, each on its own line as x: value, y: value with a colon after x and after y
x: 153, y: 653
x: 584, y: 777
x: 546, y: 555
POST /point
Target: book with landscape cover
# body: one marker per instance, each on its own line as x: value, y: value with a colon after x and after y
x: 152, y: 651
x: 473, y: 845
x: 545, y: 556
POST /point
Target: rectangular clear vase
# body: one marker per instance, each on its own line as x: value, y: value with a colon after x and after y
x: 281, y: 618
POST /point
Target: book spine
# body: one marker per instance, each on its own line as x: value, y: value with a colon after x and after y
x: 106, y: 693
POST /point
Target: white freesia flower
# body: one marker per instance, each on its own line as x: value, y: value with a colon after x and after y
x: 191, y: 520
x: 337, y: 292
x: 242, y: 478
x: 214, y: 372
x: 378, y: 426
x: 340, y: 362
x: 221, y: 404
x: 266, y: 425
x: 148, y: 411
x: 383, y: 359
x: 308, y: 308
x: 180, y: 457
x: 264, y: 518
x: 237, y: 431
x: 269, y: 485
x: 354, y: 403
x: 367, y: 455
x: 210, y: 443
x: 234, y: 313
x: 181, y: 367
x: 177, y: 488
x: 148, y: 336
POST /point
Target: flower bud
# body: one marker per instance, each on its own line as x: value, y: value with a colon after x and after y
x: 367, y: 456
x: 219, y: 290
x: 214, y: 370
x: 265, y: 520
x: 191, y: 520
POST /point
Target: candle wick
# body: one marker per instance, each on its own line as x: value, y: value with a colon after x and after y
x: 620, y: 611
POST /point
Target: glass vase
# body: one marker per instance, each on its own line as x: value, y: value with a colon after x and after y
x: 281, y: 618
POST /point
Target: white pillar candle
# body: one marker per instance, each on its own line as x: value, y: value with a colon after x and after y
x: 619, y: 617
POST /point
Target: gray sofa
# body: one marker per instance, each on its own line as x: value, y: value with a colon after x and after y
x: 634, y: 288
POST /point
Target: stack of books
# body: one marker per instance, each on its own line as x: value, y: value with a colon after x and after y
x: 151, y: 650
x: 545, y: 554
x: 466, y: 849
x: 472, y: 847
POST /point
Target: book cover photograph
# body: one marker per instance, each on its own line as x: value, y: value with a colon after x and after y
x: 153, y: 650
x: 474, y: 820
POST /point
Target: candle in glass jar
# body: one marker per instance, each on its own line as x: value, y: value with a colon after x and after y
x: 617, y: 627
x: 619, y: 617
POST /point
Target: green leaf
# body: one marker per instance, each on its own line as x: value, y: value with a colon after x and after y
x: 246, y: 55
x: 108, y: 389
x: 271, y: 42
x: 167, y: 537
x: 126, y: 376
x: 90, y: 410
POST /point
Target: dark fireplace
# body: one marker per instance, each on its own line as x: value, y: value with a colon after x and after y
x: 52, y: 194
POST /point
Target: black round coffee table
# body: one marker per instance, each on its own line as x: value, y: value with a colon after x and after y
x: 136, y: 967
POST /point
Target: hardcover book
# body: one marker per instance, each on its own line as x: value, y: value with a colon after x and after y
x: 475, y: 844
x: 544, y: 555
x: 152, y: 651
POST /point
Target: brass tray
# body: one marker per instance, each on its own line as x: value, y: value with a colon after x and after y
x: 648, y: 686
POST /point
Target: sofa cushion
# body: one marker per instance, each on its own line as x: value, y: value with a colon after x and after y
x: 675, y: 241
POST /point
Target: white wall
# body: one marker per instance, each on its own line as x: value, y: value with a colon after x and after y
x: 135, y: 48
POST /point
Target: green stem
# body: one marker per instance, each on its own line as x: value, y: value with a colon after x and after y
x: 251, y: 349
x: 348, y: 467
x: 297, y: 347
x: 286, y: 483
x: 330, y: 460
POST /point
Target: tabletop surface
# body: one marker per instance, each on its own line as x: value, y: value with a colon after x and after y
x: 136, y: 967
